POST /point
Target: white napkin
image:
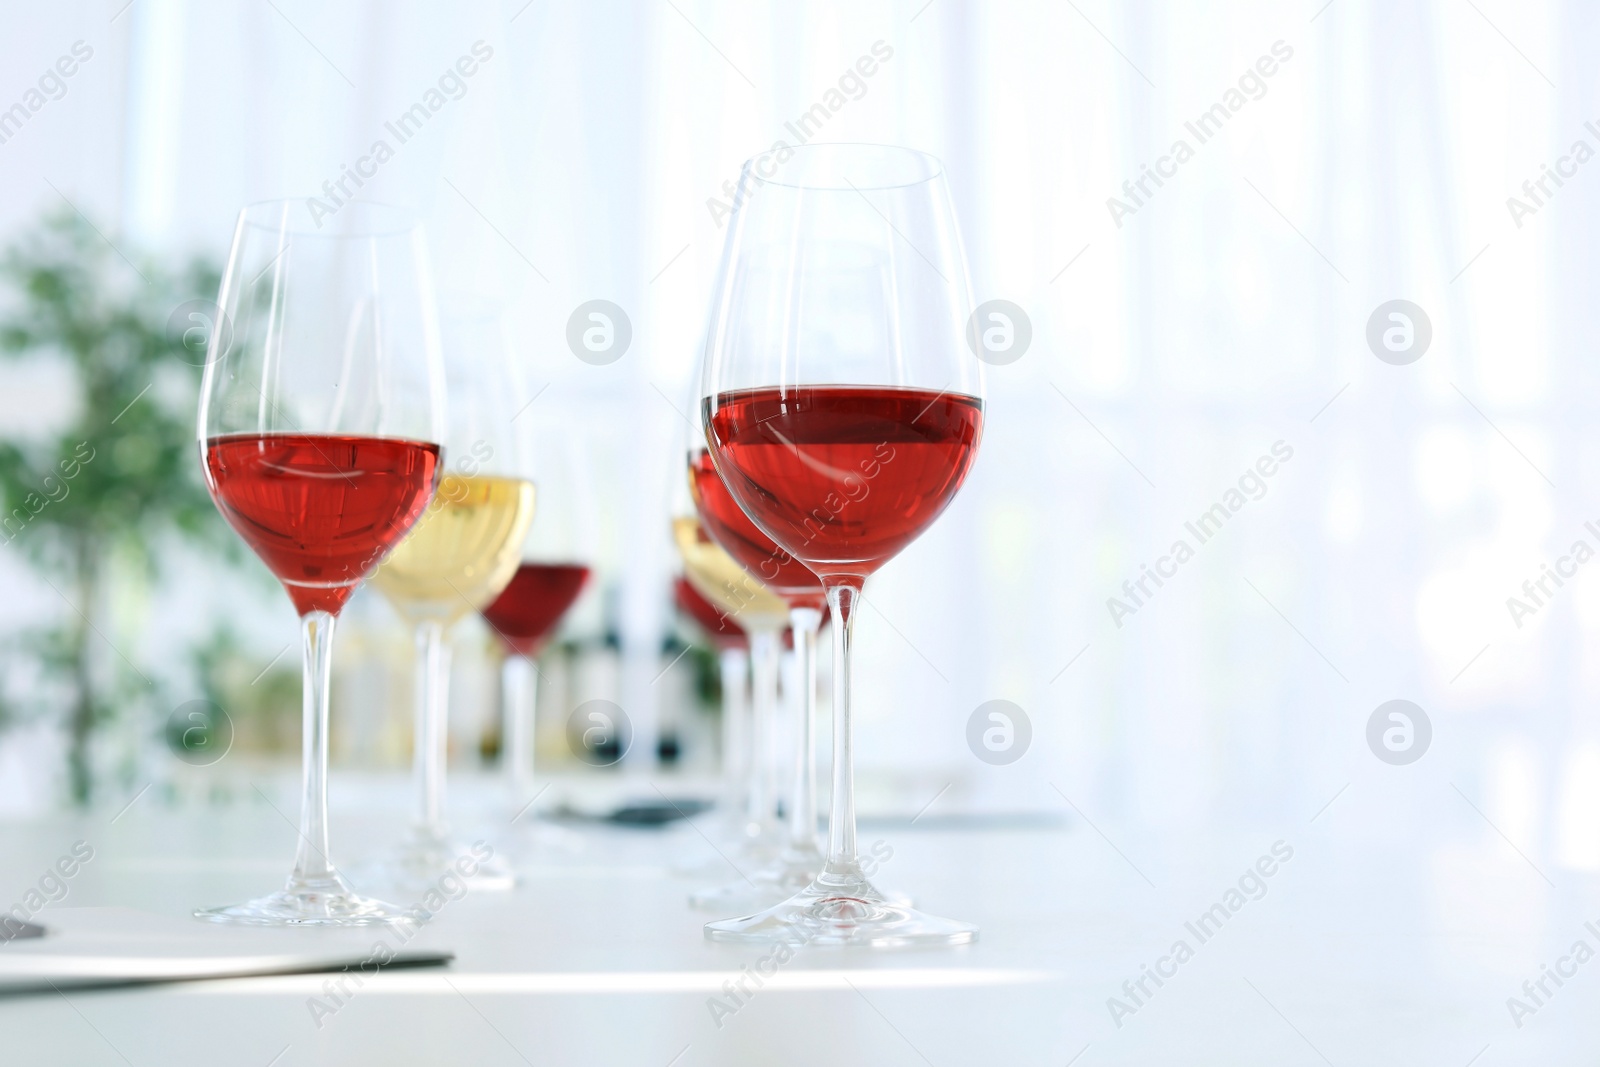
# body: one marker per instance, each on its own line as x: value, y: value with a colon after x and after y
x: 120, y: 946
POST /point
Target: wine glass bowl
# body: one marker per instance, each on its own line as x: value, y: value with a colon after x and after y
x: 725, y: 523
x: 319, y: 433
x: 842, y: 411
x: 462, y: 550
x: 716, y: 575
x: 337, y: 534
x: 525, y: 614
x: 717, y: 626
x: 844, y: 476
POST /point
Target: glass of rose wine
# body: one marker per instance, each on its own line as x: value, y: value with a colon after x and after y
x: 319, y: 430
x: 733, y: 665
x: 799, y: 860
x: 460, y: 556
x: 842, y: 410
x: 746, y: 603
x: 552, y: 572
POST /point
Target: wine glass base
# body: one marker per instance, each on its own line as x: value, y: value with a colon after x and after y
x: 751, y: 846
x: 418, y: 863
x: 547, y: 837
x: 780, y: 878
x: 533, y: 851
x: 327, y: 902
x: 843, y: 915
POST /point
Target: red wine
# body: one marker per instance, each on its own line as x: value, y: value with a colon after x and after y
x: 722, y: 630
x: 526, y: 611
x: 731, y: 528
x: 321, y: 510
x: 843, y: 476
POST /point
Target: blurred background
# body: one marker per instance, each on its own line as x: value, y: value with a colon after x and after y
x: 1335, y: 157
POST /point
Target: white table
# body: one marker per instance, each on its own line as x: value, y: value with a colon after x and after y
x: 1357, y: 953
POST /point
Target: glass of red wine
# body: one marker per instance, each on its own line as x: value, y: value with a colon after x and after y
x: 842, y: 409
x: 320, y: 420
x: 553, y: 572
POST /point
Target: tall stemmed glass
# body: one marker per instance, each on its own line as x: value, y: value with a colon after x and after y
x: 762, y: 615
x: 462, y: 553
x: 843, y: 409
x: 799, y: 860
x: 733, y: 663
x: 552, y: 572
x: 319, y: 429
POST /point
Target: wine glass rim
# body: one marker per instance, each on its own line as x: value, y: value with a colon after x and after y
x: 933, y: 164
x: 381, y: 219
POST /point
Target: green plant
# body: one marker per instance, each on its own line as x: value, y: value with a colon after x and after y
x: 87, y: 500
x: 263, y: 705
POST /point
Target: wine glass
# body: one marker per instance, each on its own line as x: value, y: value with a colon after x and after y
x: 319, y: 432
x: 552, y: 572
x: 462, y: 553
x: 733, y: 665
x: 762, y: 615
x: 799, y: 860
x: 843, y: 409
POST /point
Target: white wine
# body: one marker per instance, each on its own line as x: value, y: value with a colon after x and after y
x: 718, y: 577
x: 462, y: 552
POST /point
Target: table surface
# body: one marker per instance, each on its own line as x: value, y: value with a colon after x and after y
x: 1351, y: 951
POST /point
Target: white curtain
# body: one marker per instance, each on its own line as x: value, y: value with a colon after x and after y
x: 1177, y: 339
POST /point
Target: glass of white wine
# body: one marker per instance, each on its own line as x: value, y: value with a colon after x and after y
x: 461, y: 554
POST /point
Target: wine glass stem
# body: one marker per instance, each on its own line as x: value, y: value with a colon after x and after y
x: 311, y: 863
x: 433, y: 691
x: 735, y: 663
x: 842, y: 861
x: 520, y: 692
x: 803, y: 798
x: 764, y: 683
